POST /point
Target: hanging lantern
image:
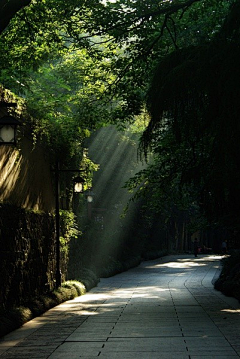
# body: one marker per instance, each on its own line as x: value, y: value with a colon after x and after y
x: 8, y: 130
x: 78, y: 184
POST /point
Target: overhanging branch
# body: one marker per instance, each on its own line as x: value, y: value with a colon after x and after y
x: 9, y: 8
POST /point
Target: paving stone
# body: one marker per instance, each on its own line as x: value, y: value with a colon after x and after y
x: 143, y: 355
x: 88, y: 335
x: 212, y: 356
x: 166, y: 308
x: 146, y: 345
x: 77, y: 349
x: 27, y: 353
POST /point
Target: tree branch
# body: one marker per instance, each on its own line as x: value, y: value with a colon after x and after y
x: 166, y: 10
x: 9, y: 8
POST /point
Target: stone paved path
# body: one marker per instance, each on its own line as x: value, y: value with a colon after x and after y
x: 166, y: 308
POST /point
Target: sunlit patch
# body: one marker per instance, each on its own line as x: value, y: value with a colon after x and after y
x: 202, y: 258
x: 181, y: 265
x: 211, y: 258
x: 10, y: 166
x: 188, y: 263
x: 86, y: 312
x: 177, y: 265
x: 89, y: 297
x: 233, y: 311
x: 152, y: 289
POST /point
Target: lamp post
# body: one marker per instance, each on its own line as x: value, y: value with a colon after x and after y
x: 57, y: 223
x: 78, y: 187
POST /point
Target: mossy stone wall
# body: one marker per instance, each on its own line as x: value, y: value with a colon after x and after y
x: 27, y: 254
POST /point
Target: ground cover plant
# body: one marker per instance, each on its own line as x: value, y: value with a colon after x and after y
x: 14, y: 317
x: 229, y: 279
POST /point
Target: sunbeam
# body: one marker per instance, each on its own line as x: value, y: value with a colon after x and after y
x: 109, y: 234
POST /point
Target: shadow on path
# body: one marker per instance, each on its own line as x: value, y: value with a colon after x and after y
x: 166, y: 308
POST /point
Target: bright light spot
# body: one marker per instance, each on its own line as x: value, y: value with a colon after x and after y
x: 180, y: 265
x: 188, y: 263
x: 235, y: 311
x: 86, y: 312
x: 89, y: 297
x: 177, y: 265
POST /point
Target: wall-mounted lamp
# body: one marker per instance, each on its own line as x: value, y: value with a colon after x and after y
x: 8, y: 130
x: 78, y: 183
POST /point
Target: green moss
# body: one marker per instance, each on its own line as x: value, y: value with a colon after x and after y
x: 20, y: 315
x: 79, y: 287
x: 15, y: 317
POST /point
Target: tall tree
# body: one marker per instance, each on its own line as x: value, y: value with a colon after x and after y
x: 195, y: 91
x: 144, y: 31
x: 139, y: 35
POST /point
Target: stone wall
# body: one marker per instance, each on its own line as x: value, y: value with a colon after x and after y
x: 27, y: 202
x: 25, y: 170
x: 27, y: 254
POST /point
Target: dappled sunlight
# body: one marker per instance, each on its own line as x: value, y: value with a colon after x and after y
x: 154, y: 288
x: 26, y: 178
x: 88, y: 312
x: 141, y: 288
x: 92, y: 296
x: 143, y: 294
x: 210, y: 258
x: 180, y: 265
x: 177, y: 265
x: 137, y: 306
x: 231, y: 311
x: 187, y: 262
x: 206, y: 257
x: 137, y: 294
x: 10, y: 166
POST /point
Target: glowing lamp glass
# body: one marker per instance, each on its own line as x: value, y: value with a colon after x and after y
x: 8, y: 130
x: 78, y: 184
x: 89, y: 198
x: 7, y: 134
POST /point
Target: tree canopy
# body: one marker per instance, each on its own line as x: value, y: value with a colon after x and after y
x: 92, y: 62
x: 194, y: 103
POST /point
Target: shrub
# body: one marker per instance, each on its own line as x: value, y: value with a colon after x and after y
x: 229, y: 279
x: 87, y: 277
x: 15, y: 317
x: 21, y: 315
x: 80, y: 287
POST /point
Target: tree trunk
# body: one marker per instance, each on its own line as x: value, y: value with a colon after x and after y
x: 9, y: 8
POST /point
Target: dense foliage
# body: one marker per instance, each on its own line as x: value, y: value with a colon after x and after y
x: 229, y: 280
x: 84, y: 64
x: 194, y: 106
